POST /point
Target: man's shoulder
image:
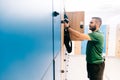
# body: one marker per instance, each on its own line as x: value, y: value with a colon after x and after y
x: 96, y: 36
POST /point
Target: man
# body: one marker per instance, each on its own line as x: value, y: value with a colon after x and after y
x: 95, y: 61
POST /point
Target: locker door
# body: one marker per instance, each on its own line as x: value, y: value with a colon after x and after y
x: 76, y: 18
x: 57, y: 26
x: 103, y: 28
x: 26, y: 43
x: 84, y: 43
x: 57, y: 7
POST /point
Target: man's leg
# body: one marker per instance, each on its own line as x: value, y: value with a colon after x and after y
x: 95, y: 71
x: 101, y: 71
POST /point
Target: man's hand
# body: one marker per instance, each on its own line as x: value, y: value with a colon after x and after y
x: 66, y: 25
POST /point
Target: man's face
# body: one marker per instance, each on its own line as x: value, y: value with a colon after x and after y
x: 92, y: 25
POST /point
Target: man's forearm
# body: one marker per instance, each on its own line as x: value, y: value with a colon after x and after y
x: 78, y: 36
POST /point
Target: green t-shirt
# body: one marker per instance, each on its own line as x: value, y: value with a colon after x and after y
x: 95, y: 48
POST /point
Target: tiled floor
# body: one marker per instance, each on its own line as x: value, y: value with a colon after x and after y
x: 77, y: 68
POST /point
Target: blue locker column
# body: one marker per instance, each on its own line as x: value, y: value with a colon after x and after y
x: 84, y: 43
x: 57, y: 26
x: 26, y: 40
x: 58, y: 8
x: 103, y: 28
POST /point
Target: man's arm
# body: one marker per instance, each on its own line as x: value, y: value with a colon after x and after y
x: 79, y: 36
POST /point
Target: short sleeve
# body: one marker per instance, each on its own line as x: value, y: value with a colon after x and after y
x: 93, y: 36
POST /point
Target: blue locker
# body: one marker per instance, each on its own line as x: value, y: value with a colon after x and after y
x: 57, y: 7
x: 26, y: 39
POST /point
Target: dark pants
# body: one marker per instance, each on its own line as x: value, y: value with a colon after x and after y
x: 95, y: 71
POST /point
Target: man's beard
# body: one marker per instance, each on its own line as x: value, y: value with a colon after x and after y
x: 93, y: 28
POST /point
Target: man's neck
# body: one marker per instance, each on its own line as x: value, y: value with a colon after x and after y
x: 96, y: 30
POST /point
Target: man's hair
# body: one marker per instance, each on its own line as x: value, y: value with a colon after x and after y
x: 98, y: 19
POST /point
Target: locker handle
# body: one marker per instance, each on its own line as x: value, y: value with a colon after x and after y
x: 81, y: 24
x: 55, y: 13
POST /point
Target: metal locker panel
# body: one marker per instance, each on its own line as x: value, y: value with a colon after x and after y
x: 26, y: 44
x: 103, y: 29
x: 58, y: 7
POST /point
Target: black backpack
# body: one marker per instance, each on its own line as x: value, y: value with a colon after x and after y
x: 67, y: 40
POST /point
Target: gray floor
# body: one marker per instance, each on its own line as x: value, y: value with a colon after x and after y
x: 77, y: 68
